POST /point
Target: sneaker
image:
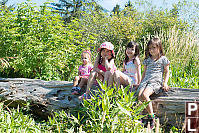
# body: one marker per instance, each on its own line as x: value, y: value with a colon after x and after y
x: 76, y: 90
x: 73, y: 88
x: 152, y: 123
x: 144, y: 121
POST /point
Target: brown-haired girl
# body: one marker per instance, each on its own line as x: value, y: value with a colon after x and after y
x: 104, y: 67
x: 156, y: 66
x: 131, y: 74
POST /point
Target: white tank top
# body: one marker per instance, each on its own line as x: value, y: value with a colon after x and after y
x: 130, y: 69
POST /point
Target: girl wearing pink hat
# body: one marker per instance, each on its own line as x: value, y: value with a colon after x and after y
x: 104, y: 67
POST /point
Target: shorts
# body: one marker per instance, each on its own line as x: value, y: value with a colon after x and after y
x: 84, y: 76
x: 132, y: 80
x: 155, y: 86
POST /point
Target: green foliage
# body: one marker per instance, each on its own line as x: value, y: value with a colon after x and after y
x: 107, y: 111
x: 112, y: 110
x: 42, y: 46
x: 71, y: 9
x: 36, y: 43
x: 13, y: 120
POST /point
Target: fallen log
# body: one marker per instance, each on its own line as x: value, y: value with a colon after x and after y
x: 170, y: 106
x: 46, y: 97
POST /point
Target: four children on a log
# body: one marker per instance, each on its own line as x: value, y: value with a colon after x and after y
x: 154, y: 77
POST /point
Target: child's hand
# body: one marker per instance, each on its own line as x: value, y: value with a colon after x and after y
x: 136, y: 86
x: 106, y: 57
x: 165, y: 87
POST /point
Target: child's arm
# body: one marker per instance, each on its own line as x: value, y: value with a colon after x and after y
x: 96, y: 62
x: 138, y: 69
x: 123, y: 69
x: 166, y: 78
x: 143, y: 74
x: 79, y: 69
x: 95, y: 68
x: 109, y: 65
x: 78, y: 73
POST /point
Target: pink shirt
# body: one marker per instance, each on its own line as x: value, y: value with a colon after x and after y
x: 85, y: 70
x: 101, y: 67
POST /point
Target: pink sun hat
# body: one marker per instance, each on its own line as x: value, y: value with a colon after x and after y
x: 107, y: 45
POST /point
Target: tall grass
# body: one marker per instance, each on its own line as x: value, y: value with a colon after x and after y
x: 182, y: 49
x: 13, y: 120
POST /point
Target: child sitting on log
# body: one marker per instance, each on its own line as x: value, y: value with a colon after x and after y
x: 155, y: 75
x: 83, y: 72
x: 131, y: 74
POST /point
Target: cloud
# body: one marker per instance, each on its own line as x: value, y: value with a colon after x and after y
x: 115, y: 1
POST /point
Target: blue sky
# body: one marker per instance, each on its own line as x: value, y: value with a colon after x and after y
x: 108, y: 4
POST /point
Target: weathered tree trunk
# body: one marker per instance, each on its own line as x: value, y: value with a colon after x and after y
x: 170, y: 106
x: 46, y: 97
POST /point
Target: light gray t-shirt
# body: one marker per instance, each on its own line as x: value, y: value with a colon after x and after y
x: 154, y: 73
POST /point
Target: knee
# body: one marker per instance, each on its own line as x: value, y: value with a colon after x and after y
x: 140, y: 97
x: 145, y: 95
x: 93, y: 74
x: 108, y: 73
x: 77, y: 78
x: 115, y: 74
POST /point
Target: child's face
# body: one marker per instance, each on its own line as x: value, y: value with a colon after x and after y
x: 154, y: 50
x: 130, y: 52
x: 85, y: 58
x: 106, y: 53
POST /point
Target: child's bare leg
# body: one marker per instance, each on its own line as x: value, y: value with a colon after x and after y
x: 75, y: 83
x: 76, y: 80
x: 82, y: 82
x: 106, y: 77
x: 110, y: 80
x: 100, y: 77
x: 117, y: 78
x: 91, y: 78
x: 146, y: 93
x: 140, y: 96
x: 121, y: 78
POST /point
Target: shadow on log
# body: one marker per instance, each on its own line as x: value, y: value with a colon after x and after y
x: 46, y: 97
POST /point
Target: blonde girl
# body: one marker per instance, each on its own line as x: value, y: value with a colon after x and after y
x: 83, y: 72
x: 155, y: 75
x: 131, y: 74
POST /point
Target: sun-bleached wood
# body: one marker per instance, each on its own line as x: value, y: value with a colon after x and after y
x: 46, y: 97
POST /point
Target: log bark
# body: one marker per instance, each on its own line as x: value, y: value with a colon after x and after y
x: 170, y: 106
x: 46, y: 97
